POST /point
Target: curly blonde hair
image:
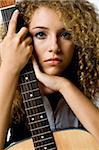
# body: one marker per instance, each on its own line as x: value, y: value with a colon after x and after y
x: 82, y: 21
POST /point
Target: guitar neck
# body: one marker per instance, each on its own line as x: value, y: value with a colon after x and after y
x: 35, y: 112
x: 34, y: 107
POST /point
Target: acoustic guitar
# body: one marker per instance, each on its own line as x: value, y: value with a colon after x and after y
x: 41, y: 136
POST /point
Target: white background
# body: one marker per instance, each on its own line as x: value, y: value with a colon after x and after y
x: 96, y: 3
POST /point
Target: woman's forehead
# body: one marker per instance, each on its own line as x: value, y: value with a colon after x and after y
x: 45, y: 10
x: 44, y: 15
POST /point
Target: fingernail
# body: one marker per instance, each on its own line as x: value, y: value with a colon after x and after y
x: 16, y: 11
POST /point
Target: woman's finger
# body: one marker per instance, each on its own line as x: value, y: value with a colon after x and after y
x: 13, y: 23
x: 22, y: 33
x: 28, y: 41
x: 49, y: 81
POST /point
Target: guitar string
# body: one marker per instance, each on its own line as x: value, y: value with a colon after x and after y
x: 30, y: 104
x: 43, y: 131
x: 26, y: 95
x: 35, y: 102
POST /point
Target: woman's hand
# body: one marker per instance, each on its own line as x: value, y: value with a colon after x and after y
x: 16, y: 48
x: 48, y: 83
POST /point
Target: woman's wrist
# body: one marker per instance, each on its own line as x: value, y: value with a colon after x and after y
x: 64, y: 84
x: 6, y: 69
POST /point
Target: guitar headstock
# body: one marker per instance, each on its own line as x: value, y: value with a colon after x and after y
x: 5, y: 3
x: 6, y: 6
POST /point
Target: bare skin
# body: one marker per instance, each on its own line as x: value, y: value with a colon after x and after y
x: 14, y: 57
x: 62, y: 48
x: 88, y: 114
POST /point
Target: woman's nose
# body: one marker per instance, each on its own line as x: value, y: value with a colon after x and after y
x: 54, y: 47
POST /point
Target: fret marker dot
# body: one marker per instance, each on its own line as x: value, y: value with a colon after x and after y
x: 32, y: 119
x: 31, y: 95
x: 45, y: 148
x: 41, y: 116
x: 42, y: 137
x: 26, y: 78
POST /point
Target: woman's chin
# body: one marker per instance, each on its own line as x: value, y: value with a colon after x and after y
x: 52, y: 71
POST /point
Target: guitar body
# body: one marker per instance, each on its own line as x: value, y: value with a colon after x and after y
x: 65, y: 140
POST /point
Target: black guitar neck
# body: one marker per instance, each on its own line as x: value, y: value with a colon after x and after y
x: 34, y: 107
x: 32, y: 100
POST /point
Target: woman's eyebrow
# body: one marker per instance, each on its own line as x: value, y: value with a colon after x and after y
x: 46, y: 28
x: 63, y: 29
x: 39, y: 27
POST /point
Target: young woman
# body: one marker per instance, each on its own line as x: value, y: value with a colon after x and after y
x: 64, y: 45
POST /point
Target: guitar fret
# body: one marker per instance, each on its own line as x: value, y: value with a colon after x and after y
x: 42, y: 140
x: 35, y: 111
x: 33, y: 104
x: 54, y: 148
x: 25, y: 73
x: 28, y: 68
x: 36, y: 129
x: 44, y: 147
x: 28, y: 82
x: 30, y: 91
x: 27, y: 77
x: 33, y: 107
x: 31, y: 95
x: 37, y: 114
x: 38, y: 121
x: 34, y: 98
x: 40, y: 135
x: 39, y: 124
x: 37, y: 117
x: 28, y: 86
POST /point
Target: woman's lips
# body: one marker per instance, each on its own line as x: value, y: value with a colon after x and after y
x: 53, y: 61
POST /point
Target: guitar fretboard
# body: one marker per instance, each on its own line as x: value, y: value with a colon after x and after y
x: 32, y: 100
x: 36, y: 115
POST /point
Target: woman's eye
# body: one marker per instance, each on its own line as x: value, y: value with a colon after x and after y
x: 65, y: 35
x: 40, y: 35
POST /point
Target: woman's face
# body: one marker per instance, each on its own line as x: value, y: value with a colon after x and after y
x: 52, y: 46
